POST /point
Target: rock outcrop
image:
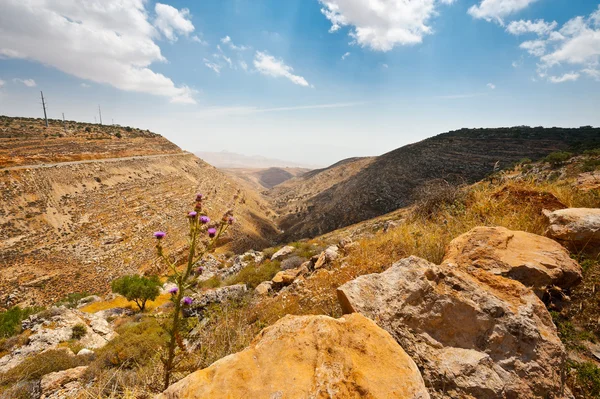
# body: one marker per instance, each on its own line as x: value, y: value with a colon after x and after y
x: 535, y: 261
x: 578, y: 227
x: 283, y: 252
x: 62, y: 384
x: 310, y: 357
x: 481, y: 336
x: 54, y: 327
x: 217, y: 295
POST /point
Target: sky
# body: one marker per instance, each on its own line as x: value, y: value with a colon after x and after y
x: 310, y: 81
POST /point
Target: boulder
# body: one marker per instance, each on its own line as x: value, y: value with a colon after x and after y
x: 310, y: 357
x: 264, y: 288
x: 535, y: 261
x: 88, y: 300
x: 287, y: 277
x: 60, y: 384
x: 578, y: 227
x: 283, y: 252
x: 473, y: 336
x: 217, y: 295
x: 327, y: 256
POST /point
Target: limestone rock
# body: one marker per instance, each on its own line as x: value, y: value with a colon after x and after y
x: 285, y: 278
x: 535, y: 261
x: 310, y: 357
x: 60, y: 384
x: 264, y: 288
x: 579, y: 227
x: 283, y: 252
x: 88, y: 300
x: 217, y: 295
x: 482, y: 336
x: 327, y: 256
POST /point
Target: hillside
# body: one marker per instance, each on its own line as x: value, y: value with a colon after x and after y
x: 87, y: 221
x: 344, y: 194
x: 261, y: 179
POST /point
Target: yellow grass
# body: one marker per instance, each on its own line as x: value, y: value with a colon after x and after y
x: 121, y: 302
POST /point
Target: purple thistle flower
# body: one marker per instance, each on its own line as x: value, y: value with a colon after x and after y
x: 200, y: 270
x: 230, y: 220
x: 192, y: 214
x: 204, y: 219
x: 199, y: 197
x: 160, y: 235
x: 212, y: 232
x: 173, y: 290
x: 187, y: 300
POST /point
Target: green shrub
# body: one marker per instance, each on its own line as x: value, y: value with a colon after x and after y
x: 78, y: 331
x: 587, y: 379
x: 118, y: 135
x: 268, y: 252
x: 137, y: 288
x: 71, y: 300
x: 10, y: 320
x: 590, y: 165
x: 253, y: 274
x: 137, y: 344
x: 292, y: 262
x: 557, y: 158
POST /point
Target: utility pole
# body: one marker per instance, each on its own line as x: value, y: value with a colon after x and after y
x: 44, y: 106
x: 100, y: 114
x: 64, y: 123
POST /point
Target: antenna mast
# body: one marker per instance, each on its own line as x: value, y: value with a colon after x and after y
x: 44, y: 106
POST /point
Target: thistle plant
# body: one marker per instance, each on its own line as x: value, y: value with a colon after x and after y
x: 202, y: 239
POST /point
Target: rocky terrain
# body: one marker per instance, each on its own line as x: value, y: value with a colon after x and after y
x: 87, y: 222
x: 264, y: 179
x: 356, y: 190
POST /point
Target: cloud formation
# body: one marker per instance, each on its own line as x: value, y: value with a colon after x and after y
x: 118, y: 35
x: 171, y: 21
x: 382, y: 24
x: 270, y: 66
x: 26, y: 82
x: 497, y: 10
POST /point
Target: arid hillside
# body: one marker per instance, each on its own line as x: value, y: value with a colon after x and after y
x: 262, y: 179
x: 75, y: 226
x: 356, y: 190
x: 26, y: 141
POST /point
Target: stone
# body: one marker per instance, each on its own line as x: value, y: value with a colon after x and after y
x: 577, y: 227
x: 478, y: 336
x: 85, y: 352
x: 287, y: 277
x: 326, y: 257
x: 535, y: 261
x: 310, y: 357
x: 283, y: 252
x: 264, y: 288
x: 345, y: 242
x: 54, y: 381
x: 217, y: 295
x: 88, y: 300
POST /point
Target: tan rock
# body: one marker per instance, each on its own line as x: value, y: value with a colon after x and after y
x: 264, y: 288
x: 287, y: 277
x: 483, y: 337
x: 579, y: 227
x: 52, y: 383
x: 535, y: 261
x: 310, y: 357
x: 283, y: 252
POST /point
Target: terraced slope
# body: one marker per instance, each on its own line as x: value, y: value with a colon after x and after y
x: 322, y: 201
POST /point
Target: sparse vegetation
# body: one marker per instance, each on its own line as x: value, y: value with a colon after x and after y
x: 558, y: 158
x: 10, y: 320
x: 78, y: 331
x: 253, y: 274
x: 72, y: 299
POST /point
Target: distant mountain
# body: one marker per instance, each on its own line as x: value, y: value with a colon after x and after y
x: 358, y: 189
x: 226, y: 159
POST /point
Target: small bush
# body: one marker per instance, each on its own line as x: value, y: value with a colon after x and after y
x: 292, y: 262
x: 88, y: 129
x: 587, y: 377
x: 71, y: 300
x: 10, y: 321
x: 137, y: 288
x: 252, y: 275
x: 78, y: 331
x: 118, y: 135
x: 590, y: 165
x: 268, y: 252
x: 436, y: 196
x: 34, y: 367
x: 136, y: 345
x: 558, y: 158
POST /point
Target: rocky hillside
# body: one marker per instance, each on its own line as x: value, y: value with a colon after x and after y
x: 26, y: 141
x: 356, y: 190
x: 262, y: 179
x: 86, y: 222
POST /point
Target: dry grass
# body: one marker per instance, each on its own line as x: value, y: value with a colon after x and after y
x: 121, y: 302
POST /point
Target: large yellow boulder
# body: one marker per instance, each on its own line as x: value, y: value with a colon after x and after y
x: 537, y: 262
x: 316, y: 357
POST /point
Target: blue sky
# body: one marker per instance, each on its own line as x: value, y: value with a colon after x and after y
x: 312, y: 81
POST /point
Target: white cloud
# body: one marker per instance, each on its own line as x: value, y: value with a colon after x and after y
x: 197, y: 39
x: 382, y: 24
x: 2, y: 83
x: 593, y: 73
x: 243, y: 65
x: 386, y: 66
x: 576, y: 44
x: 26, y: 82
x: 491, y: 86
x: 567, y: 77
x: 346, y: 55
x: 534, y: 47
x: 171, y: 21
x: 85, y: 85
x: 496, y: 10
x: 119, y: 42
x: 227, y: 40
x: 211, y: 65
x: 271, y: 66
x: 540, y: 27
